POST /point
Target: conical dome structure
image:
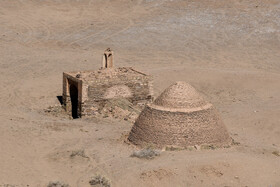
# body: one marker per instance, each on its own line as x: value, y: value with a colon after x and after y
x: 181, y: 96
x: 179, y: 117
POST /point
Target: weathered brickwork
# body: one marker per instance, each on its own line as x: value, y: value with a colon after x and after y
x: 71, y: 81
x: 95, y: 87
x: 178, y: 128
x: 179, y: 117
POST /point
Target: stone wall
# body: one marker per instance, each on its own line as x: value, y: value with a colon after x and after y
x: 96, y: 87
x: 166, y: 128
x: 69, y: 80
x: 136, y: 88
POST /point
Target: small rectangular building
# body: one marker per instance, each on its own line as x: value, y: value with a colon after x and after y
x: 86, y: 91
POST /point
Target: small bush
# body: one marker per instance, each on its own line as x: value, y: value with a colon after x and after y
x: 147, y: 153
x: 80, y: 153
x: 212, y: 147
x: 57, y: 184
x: 235, y: 142
x: 99, y: 180
x: 173, y: 148
x: 276, y: 153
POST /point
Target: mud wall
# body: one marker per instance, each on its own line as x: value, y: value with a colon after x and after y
x: 136, y: 88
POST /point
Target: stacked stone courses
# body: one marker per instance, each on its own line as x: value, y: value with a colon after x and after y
x: 179, y: 117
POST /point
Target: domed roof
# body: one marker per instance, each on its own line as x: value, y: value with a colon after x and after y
x: 180, y: 95
x: 179, y: 117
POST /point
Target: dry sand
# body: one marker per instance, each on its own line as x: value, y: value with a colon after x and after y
x: 228, y: 50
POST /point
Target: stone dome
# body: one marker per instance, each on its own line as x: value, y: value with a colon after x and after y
x: 180, y: 95
x: 179, y: 117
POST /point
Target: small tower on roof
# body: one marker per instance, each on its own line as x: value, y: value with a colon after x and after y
x: 108, y: 59
x: 86, y: 92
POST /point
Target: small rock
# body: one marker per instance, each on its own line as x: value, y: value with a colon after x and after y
x: 197, y: 147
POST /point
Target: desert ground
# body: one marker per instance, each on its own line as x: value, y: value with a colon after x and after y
x: 228, y: 50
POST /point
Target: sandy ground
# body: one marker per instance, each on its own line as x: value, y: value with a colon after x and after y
x: 228, y: 50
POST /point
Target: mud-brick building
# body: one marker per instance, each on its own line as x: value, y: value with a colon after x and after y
x: 84, y: 92
x: 179, y: 117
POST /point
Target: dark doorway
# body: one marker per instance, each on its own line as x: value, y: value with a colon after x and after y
x: 60, y: 99
x: 74, y: 100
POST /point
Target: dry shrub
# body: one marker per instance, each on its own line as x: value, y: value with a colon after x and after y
x: 57, y: 184
x: 173, y: 148
x: 80, y: 153
x: 99, y: 180
x: 147, y: 153
x: 276, y: 153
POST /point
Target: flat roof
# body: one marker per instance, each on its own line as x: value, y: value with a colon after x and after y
x: 101, y: 73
